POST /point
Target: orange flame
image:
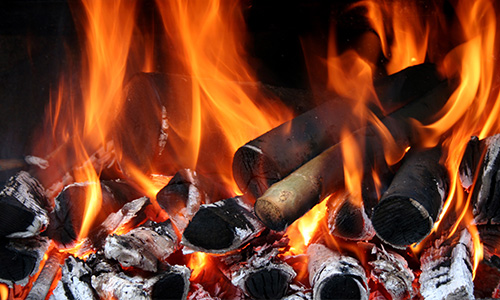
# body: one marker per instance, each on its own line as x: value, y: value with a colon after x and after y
x: 4, y: 291
x: 197, y: 263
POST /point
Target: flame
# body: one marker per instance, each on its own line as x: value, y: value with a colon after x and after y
x: 4, y: 291
x: 197, y: 263
x: 208, y: 41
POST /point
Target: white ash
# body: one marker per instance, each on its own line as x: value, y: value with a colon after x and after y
x: 36, y: 161
x: 75, y: 281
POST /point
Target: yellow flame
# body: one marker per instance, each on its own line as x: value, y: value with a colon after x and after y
x: 4, y: 291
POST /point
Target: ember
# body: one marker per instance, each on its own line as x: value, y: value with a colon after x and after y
x: 179, y: 159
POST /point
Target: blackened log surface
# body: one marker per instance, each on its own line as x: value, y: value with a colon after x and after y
x: 23, y: 207
x: 222, y: 226
x: 275, y: 154
x: 267, y: 284
x: 172, y: 284
x: 20, y: 258
x: 408, y: 209
x: 186, y: 191
x: 470, y: 162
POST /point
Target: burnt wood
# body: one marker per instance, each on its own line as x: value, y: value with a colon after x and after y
x: 408, y: 209
x: 23, y: 207
x: 186, y: 191
x: 275, y: 154
x: 290, y: 198
x: 75, y: 282
x: 42, y: 284
x: 334, y: 276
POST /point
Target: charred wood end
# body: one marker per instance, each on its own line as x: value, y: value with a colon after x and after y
x: 348, y: 220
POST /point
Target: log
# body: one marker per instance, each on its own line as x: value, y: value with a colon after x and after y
x: 171, y: 284
x: 275, y: 154
x: 391, y: 271
x: 479, y: 172
x: 21, y: 258
x: 41, y: 287
x: 447, y: 268
x: 23, y: 207
x: 408, y: 209
x: 186, y: 191
x: 70, y: 204
x: 222, y: 226
x: 290, y: 198
x: 334, y: 276
x: 75, y: 281
x: 348, y: 220
x: 143, y: 247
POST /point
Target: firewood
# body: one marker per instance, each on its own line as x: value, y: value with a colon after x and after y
x: 23, y: 207
x: 75, y: 281
x: 334, y: 276
x: 41, y: 287
x: 264, y: 161
x: 348, y: 220
x: 222, y: 226
x: 21, y: 258
x: 408, y: 209
x: 481, y: 162
x: 290, y: 198
x: 130, y: 215
x: 67, y: 216
x: 447, y: 268
x: 391, y: 271
x: 187, y: 190
x: 144, y: 246
x: 171, y: 284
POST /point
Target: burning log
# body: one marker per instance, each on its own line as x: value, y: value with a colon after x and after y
x: 68, y: 213
x: 186, y: 191
x: 222, y: 226
x: 408, y: 209
x: 23, y: 207
x: 263, y: 161
x: 348, y: 220
x: 392, y: 272
x: 143, y: 247
x: 482, y: 161
x: 171, y: 284
x: 334, y: 276
x: 75, y: 282
x: 41, y: 287
x: 20, y: 258
x: 289, y: 199
x: 447, y: 269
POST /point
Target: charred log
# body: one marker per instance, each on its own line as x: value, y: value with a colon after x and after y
x: 222, y: 226
x: 23, y: 207
x: 408, y: 209
x: 68, y: 213
x: 264, y: 161
x: 348, y: 220
x: 21, y: 258
x: 334, y: 276
x: 391, y: 271
x: 290, y: 198
x: 481, y: 162
x: 447, y: 269
x: 41, y: 287
x: 143, y: 247
x: 75, y: 281
x: 187, y: 190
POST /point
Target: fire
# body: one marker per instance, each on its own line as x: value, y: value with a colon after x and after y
x: 197, y: 263
x: 4, y: 291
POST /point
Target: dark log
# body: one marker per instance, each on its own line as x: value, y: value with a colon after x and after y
x: 275, y: 154
x: 75, y: 281
x: 68, y: 213
x: 348, y: 220
x: 129, y: 216
x: 487, y: 280
x: 171, y: 284
x: 21, y: 258
x: 23, y: 207
x: 41, y: 287
x: 480, y: 171
x: 447, y: 268
x: 187, y: 190
x: 391, y: 271
x: 334, y: 276
x: 143, y: 247
x: 290, y: 198
x: 490, y: 237
x: 408, y: 209
x: 223, y: 226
